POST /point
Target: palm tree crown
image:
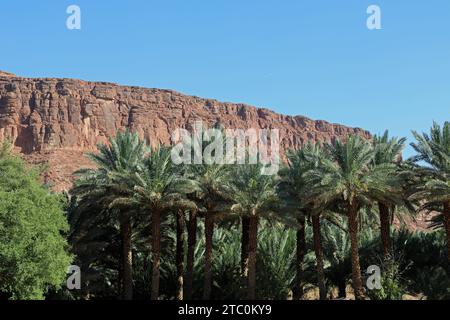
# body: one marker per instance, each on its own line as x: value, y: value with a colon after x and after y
x: 433, y: 184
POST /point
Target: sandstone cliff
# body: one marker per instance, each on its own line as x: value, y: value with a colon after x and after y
x: 55, y: 120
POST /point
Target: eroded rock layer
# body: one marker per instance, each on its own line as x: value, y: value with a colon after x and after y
x: 55, y: 121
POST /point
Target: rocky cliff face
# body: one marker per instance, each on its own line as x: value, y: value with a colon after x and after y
x: 55, y: 120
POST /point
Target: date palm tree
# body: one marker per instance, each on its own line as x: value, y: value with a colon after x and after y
x: 253, y: 195
x: 433, y: 150
x: 210, y: 196
x: 287, y: 193
x: 349, y: 177
x: 388, y: 151
x: 210, y: 178
x: 294, y: 186
x: 123, y: 155
x: 159, y: 188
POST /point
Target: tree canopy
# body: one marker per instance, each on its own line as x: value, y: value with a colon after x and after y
x: 33, y: 250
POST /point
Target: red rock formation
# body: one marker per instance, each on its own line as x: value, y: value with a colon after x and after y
x: 56, y: 120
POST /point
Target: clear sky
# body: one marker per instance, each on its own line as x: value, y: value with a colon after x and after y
x: 309, y: 57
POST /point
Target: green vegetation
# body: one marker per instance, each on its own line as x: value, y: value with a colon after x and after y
x: 319, y: 223
x: 33, y: 251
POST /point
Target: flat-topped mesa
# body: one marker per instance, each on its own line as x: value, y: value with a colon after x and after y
x: 47, y: 118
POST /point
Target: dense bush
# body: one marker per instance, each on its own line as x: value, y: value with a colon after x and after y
x: 33, y: 251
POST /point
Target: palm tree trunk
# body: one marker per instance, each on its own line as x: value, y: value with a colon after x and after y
x: 209, y: 230
x: 447, y: 227
x: 353, y: 232
x: 180, y: 254
x: 156, y: 253
x: 301, y: 249
x: 192, y: 239
x: 252, y: 252
x: 120, y: 273
x: 385, y: 226
x: 244, y: 251
x: 317, y: 239
x: 127, y: 259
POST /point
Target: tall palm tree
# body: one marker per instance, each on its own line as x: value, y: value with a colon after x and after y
x: 159, y: 188
x: 210, y: 181
x: 253, y: 195
x: 295, y: 187
x: 434, y: 176
x: 288, y: 191
x: 348, y: 177
x: 123, y: 155
x: 180, y: 239
x: 388, y: 151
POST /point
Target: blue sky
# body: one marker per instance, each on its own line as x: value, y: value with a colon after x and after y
x: 313, y: 58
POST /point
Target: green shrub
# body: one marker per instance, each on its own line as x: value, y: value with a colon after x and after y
x: 392, y: 284
x: 434, y: 283
x: 33, y: 252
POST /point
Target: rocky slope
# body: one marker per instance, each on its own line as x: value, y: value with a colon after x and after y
x: 55, y: 121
